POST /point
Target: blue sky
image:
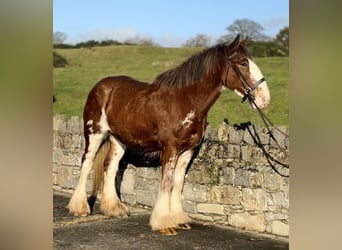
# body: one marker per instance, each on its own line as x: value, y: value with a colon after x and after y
x: 169, y: 23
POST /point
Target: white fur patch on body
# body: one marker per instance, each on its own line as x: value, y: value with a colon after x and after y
x: 103, y: 122
x: 189, y: 118
x: 238, y: 92
x: 90, y: 125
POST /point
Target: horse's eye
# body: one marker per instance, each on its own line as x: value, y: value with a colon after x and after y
x: 244, y: 64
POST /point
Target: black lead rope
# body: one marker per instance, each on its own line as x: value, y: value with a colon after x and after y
x: 257, y: 140
x: 269, y: 158
x: 249, y: 95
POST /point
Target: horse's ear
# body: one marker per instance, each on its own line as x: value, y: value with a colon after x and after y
x: 244, y: 41
x: 235, y: 44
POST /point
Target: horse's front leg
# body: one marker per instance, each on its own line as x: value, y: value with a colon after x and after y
x: 180, y: 218
x: 161, y: 217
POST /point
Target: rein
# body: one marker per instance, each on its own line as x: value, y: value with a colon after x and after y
x: 251, y: 98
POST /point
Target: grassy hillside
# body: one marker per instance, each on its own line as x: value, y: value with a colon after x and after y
x: 87, y: 66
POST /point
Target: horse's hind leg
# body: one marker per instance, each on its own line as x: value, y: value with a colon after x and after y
x: 78, y: 204
x: 110, y: 203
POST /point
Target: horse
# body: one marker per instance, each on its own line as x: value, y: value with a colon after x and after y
x: 167, y: 117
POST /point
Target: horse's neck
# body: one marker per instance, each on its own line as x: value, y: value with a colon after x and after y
x: 204, y: 95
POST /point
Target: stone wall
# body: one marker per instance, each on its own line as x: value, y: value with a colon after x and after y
x: 230, y: 181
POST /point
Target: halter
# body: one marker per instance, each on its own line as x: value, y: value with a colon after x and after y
x: 249, y: 90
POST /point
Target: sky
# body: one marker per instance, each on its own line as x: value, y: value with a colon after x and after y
x: 167, y: 22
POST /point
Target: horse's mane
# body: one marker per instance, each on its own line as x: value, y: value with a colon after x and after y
x: 193, y: 70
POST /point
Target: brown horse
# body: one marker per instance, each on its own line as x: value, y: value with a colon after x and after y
x: 168, y: 117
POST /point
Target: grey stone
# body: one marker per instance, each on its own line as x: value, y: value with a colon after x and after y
x: 235, y: 136
x: 146, y: 197
x: 146, y: 184
x: 254, y: 199
x: 225, y: 195
x: 248, y: 221
x: 129, y: 199
x: 279, y: 137
x: 242, y: 178
x: 195, y: 192
x: 128, y: 183
x: 280, y: 228
x: 227, y: 175
x: 234, y: 151
x: 189, y: 206
x: 206, y: 208
x: 223, y: 132
x: 64, y: 177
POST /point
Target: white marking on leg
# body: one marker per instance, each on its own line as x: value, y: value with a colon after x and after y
x: 177, y: 213
x: 161, y: 217
x: 110, y: 203
x: 78, y: 204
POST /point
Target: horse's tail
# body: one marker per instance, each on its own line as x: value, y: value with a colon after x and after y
x: 99, y: 167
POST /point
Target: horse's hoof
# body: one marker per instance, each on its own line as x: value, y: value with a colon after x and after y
x: 184, y: 226
x: 81, y: 214
x: 168, y: 231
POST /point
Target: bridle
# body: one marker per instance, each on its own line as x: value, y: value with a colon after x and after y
x: 249, y: 90
x: 250, y: 96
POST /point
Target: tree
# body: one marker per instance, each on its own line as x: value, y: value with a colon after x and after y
x: 59, y: 37
x: 282, y: 38
x: 200, y: 40
x: 226, y: 38
x: 58, y: 60
x: 246, y: 28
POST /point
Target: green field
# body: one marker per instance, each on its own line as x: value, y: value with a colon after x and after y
x: 88, y: 65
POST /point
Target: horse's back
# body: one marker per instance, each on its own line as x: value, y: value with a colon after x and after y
x: 120, y: 82
x: 114, y: 85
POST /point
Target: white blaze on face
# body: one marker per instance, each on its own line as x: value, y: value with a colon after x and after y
x: 261, y: 93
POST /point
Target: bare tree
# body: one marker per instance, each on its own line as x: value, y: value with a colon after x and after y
x: 200, y: 40
x: 226, y: 38
x: 246, y: 28
x: 283, y: 38
x: 59, y: 37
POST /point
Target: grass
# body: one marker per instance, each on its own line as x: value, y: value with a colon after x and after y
x: 87, y: 66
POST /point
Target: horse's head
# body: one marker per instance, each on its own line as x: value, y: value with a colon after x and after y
x: 244, y: 77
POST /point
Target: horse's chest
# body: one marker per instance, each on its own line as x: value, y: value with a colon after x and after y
x: 190, y: 130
